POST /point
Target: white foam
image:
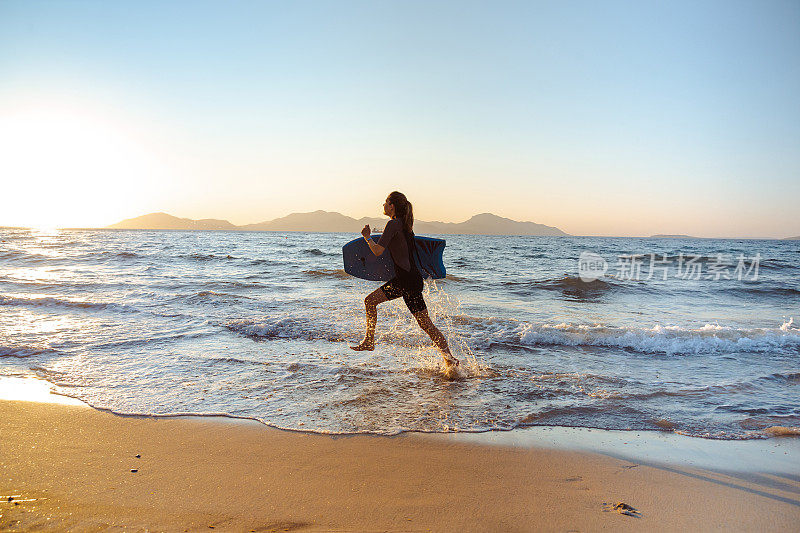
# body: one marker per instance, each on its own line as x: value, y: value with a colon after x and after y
x: 467, y: 333
x: 269, y: 327
x: 710, y: 338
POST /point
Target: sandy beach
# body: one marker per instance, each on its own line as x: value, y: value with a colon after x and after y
x: 71, y: 467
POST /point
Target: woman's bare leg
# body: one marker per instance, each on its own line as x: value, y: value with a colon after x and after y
x: 436, y: 336
x: 371, y: 303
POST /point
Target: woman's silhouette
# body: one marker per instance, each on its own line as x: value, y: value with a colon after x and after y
x: 398, y: 237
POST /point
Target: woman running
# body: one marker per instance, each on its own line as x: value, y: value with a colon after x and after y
x: 398, y: 237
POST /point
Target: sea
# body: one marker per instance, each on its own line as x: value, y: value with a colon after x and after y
x: 689, y: 336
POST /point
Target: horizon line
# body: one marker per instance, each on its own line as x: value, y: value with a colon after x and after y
x: 240, y: 227
x: 107, y: 228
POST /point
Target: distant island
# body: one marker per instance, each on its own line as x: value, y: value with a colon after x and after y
x: 792, y: 238
x: 327, y: 221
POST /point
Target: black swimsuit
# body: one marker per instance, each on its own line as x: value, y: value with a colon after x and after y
x: 406, y: 283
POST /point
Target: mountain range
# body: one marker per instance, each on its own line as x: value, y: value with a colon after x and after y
x: 327, y: 221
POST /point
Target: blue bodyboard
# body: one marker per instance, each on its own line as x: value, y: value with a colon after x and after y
x: 359, y: 261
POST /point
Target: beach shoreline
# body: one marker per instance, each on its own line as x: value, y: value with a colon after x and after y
x: 70, y: 467
x: 778, y: 453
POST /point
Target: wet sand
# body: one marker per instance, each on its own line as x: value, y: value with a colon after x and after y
x: 70, y: 467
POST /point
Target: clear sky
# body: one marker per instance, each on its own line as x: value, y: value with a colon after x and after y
x: 600, y: 118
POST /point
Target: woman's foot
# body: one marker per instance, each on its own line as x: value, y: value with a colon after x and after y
x: 451, y: 370
x: 365, y: 346
x: 449, y: 361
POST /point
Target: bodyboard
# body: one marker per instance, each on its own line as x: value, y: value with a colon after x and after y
x: 359, y: 261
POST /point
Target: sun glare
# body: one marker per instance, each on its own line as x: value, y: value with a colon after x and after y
x: 30, y: 389
x: 64, y: 166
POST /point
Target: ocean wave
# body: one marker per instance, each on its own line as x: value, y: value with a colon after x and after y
x: 726, y: 257
x: 793, y: 377
x: 205, y: 257
x: 573, y: 286
x: 704, y: 392
x: 711, y: 338
x: 65, y: 257
x: 44, y: 285
x: 337, y: 273
x: 23, y: 352
x: 212, y: 297
x: 106, y: 254
x: 490, y: 333
x: 151, y: 340
x: 236, y: 360
x: 25, y: 256
x: 223, y: 285
x: 51, y: 302
x: 317, y: 251
x: 774, y: 264
x: 302, y: 328
x: 283, y: 328
x: 579, y: 376
x: 767, y: 291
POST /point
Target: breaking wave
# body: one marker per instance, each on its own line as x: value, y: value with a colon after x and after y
x: 711, y: 338
x: 487, y: 333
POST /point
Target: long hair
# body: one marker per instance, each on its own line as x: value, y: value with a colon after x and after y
x: 403, y: 210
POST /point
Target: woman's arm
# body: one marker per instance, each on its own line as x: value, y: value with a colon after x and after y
x: 377, y: 249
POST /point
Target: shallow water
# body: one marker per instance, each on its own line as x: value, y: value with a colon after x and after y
x: 257, y: 325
